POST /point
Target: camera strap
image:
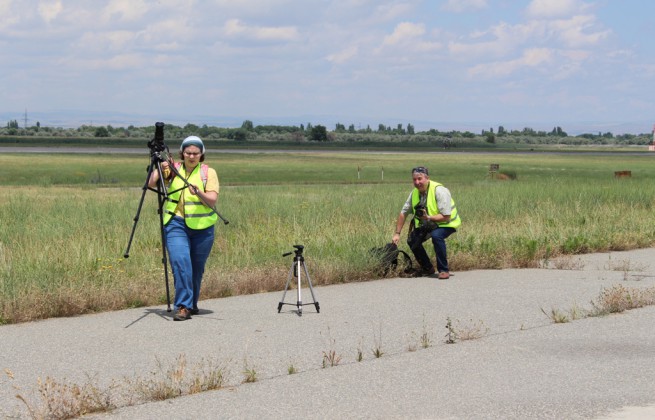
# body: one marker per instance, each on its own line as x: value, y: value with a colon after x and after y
x: 204, y: 169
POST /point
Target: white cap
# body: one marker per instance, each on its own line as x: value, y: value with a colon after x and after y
x: 193, y: 141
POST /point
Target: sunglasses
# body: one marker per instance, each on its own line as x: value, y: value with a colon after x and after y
x: 420, y: 170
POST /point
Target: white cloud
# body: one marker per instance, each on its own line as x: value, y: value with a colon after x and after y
x: 404, y: 32
x: 127, y: 9
x: 410, y: 37
x: 170, y: 29
x: 344, y: 55
x: 532, y: 57
x: 98, y: 41
x: 536, y: 56
x: 123, y: 62
x: 117, y: 62
x: 234, y: 27
x: 572, y: 31
x: 5, y: 7
x: 504, y: 39
x: 623, y: 54
x: 566, y: 70
x: 163, y: 35
x: 7, y: 18
x: 49, y: 10
x: 245, y: 5
x: 499, y: 40
x: 390, y: 46
x: 548, y: 9
x: 119, y: 39
x: 576, y: 55
x: 388, y: 12
x: 461, y: 6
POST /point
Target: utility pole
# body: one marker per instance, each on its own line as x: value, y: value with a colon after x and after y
x: 25, y: 120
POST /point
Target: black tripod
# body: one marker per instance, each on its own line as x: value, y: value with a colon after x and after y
x: 298, y: 263
x: 157, y: 148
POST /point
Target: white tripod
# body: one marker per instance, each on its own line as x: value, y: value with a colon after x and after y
x: 297, y: 268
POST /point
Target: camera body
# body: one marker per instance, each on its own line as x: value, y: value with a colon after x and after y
x: 157, y: 143
x: 420, y: 211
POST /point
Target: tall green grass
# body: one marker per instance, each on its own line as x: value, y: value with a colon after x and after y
x: 63, y: 234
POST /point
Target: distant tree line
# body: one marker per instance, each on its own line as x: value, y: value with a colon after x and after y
x: 249, y: 132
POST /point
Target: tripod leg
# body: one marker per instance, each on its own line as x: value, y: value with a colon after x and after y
x: 299, y: 304
x: 162, y: 195
x: 286, y: 287
x: 126, y: 254
x: 164, y: 250
x: 311, y: 288
x: 161, y: 199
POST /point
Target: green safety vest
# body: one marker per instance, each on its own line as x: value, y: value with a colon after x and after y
x: 196, y: 214
x: 433, y: 210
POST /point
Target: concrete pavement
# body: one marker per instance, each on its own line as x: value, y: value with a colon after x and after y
x: 523, y: 366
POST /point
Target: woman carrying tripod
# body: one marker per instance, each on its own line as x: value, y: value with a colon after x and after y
x: 189, y: 219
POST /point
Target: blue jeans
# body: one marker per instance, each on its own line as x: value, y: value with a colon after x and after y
x: 415, y: 241
x: 188, y: 250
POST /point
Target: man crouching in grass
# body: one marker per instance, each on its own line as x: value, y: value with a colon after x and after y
x: 435, y: 217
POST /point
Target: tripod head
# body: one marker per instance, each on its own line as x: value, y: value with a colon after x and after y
x: 298, y: 251
x: 157, y: 144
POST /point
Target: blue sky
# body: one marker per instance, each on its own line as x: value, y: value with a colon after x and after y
x: 445, y: 64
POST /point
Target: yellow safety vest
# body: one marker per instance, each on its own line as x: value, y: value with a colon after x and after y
x: 196, y: 214
x: 433, y: 210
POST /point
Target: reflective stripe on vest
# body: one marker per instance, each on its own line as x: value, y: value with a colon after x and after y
x: 432, y: 208
x: 196, y: 214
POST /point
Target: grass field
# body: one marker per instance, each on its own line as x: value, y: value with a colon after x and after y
x: 67, y: 220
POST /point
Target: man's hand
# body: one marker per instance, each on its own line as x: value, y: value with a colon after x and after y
x: 399, y: 227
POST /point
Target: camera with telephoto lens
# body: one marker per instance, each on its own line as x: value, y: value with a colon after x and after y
x: 157, y: 143
x: 419, y: 211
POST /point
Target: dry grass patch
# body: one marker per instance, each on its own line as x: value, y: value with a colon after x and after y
x: 423, y: 340
x: 567, y: 262
x: 377, y: 349
x: 470, y: 330
x: 462, y: 331
x: 556, y: 315
x: 360, y: 350
x: 178, y: 379
x: 330, y: 356
x: 249, y: 372
x: 619, y: 298
x: 615, y: 299
x: 41, y: 304
x: 64, y: 400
